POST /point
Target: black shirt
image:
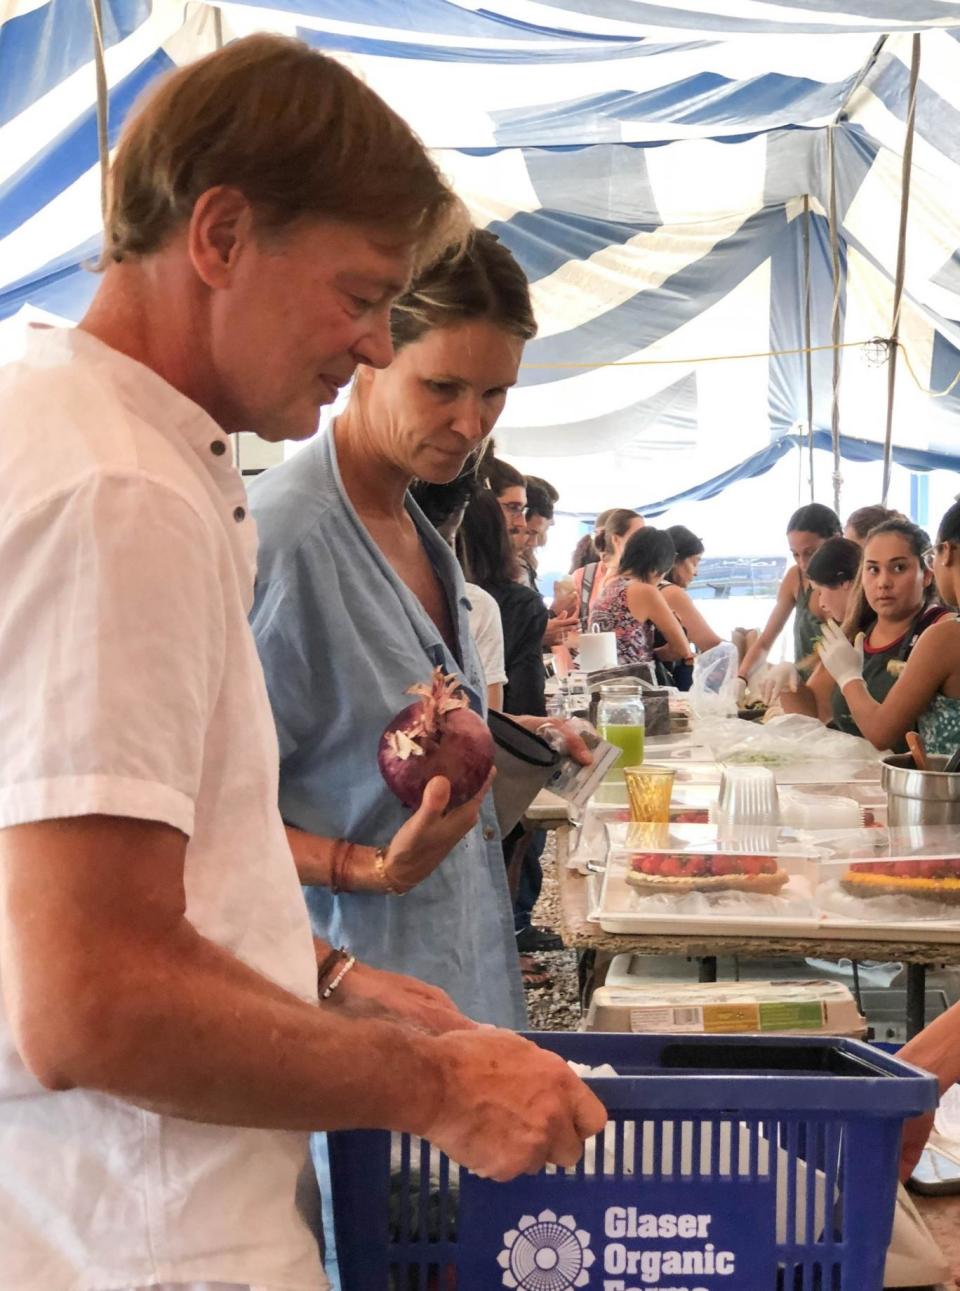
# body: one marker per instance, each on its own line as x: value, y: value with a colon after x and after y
x: 524, y: 618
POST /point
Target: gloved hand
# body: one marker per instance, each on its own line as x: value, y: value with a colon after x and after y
x: 843, y: 661
x: 741, y: 692
x: 778, y: 677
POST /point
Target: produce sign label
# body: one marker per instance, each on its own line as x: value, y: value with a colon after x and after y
x: 618, y: 1236
x: 715, y: 1019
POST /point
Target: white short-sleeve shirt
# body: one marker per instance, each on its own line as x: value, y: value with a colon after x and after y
x: 131, y: 686
x: 486, y: 628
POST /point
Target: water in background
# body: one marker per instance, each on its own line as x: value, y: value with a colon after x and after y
x: 726, y: 613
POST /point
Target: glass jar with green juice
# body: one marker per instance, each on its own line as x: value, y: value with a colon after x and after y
x: 620, y: 720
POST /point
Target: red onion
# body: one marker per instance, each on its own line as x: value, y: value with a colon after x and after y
x: 438, y: 735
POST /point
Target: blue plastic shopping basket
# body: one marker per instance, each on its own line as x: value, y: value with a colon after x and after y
x: 729, y: 1163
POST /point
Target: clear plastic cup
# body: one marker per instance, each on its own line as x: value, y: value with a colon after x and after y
x: 748, y: 796
x: 649, y: 789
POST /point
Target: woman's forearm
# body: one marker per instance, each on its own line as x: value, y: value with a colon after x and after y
x: 775, y: 624
x: 802, y: 700
x: 868, y: 715
x: 333, y: 862
x: 312, y: 855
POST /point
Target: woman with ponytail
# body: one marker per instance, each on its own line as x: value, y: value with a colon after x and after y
x: 618, y: 525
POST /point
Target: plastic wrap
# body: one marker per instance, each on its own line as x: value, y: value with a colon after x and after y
x: 785, y: 740
x: 714, y: 689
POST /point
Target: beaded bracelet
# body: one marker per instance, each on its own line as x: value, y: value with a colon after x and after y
x: 334, y: 957
x: 329, y: 990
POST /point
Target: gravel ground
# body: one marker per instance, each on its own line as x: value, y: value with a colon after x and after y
x: 554, y: 1006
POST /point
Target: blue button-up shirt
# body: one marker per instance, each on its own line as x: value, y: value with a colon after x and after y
x: 341, y: 638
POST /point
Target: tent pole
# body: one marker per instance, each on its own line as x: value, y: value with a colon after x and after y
x: 835, y: 322
x: 103, y: 130
x: 901, y: 263
x: 217, y: 25
x: 859, y: 79
x: 835, y: 264
x: 807, y: 341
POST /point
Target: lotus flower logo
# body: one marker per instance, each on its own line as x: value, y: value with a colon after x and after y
x: 546, y: 1254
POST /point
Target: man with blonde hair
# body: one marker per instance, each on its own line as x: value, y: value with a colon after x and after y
x: 163, y: 1050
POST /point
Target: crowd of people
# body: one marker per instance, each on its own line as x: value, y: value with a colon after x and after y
x: 877, y: 637
x: 873, y: 605
x: 221, y: 931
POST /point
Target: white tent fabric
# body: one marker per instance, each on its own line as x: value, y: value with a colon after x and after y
x: 647, y: 164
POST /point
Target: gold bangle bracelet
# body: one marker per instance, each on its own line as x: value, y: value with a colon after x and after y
x: 380, y: 869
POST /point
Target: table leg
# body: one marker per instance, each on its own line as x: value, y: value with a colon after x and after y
x: 586, y: 960
x: 592, y: 966
x: 916, y: 998
x: 708, y: 968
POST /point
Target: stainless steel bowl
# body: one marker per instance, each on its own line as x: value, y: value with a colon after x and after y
x: 920, y: 797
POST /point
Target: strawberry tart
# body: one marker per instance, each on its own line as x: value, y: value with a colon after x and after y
x: 704, y: 872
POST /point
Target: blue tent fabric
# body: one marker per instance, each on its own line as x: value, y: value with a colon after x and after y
x: 647, y: 163
x: 854, y: 450
x: 40, y: 48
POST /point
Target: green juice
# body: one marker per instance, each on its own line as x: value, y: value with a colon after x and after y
x: 629, y: 739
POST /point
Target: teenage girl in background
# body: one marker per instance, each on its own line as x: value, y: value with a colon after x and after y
x: 673, y: 588
x: 631, y: 606
x: 926, y: 695
x: 807, y: 530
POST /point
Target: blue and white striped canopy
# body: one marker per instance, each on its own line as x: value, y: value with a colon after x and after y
x: 647, y: 163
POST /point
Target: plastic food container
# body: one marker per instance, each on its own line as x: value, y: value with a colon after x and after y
x: 769, y: 1161
x: 902, y: 877
x: 833, y: 806
x: 590, y: 843
x: 714, y: 1008
x: 705, y: 878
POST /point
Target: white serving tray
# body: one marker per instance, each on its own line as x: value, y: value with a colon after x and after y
x: 920, y: 932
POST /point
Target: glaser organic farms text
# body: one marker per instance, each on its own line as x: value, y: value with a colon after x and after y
x: 648, y: 1268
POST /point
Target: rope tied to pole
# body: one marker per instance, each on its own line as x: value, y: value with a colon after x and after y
x: 103, y: 123
x: 906, y: 172
x: 834, y: 320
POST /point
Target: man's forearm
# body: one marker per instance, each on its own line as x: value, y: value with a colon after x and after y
x: 184, y: 1028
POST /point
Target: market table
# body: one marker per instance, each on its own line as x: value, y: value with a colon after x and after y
x: 583, y: 934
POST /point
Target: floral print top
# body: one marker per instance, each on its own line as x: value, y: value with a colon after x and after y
x: 939, y: 726
x: 612, y: 614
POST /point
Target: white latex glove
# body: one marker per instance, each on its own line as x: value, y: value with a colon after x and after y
x: 741, y: 692
x: 777, y: 678
x: 843, y: 661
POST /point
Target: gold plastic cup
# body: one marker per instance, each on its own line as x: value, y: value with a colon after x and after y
x: 650, y: 789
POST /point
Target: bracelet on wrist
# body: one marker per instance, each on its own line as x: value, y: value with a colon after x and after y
x: 333, y: 959
x: 380, y: 869
x: 338, y: 978
x: 338, y: 866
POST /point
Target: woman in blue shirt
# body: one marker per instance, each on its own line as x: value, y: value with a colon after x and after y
x: 358, y: 598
